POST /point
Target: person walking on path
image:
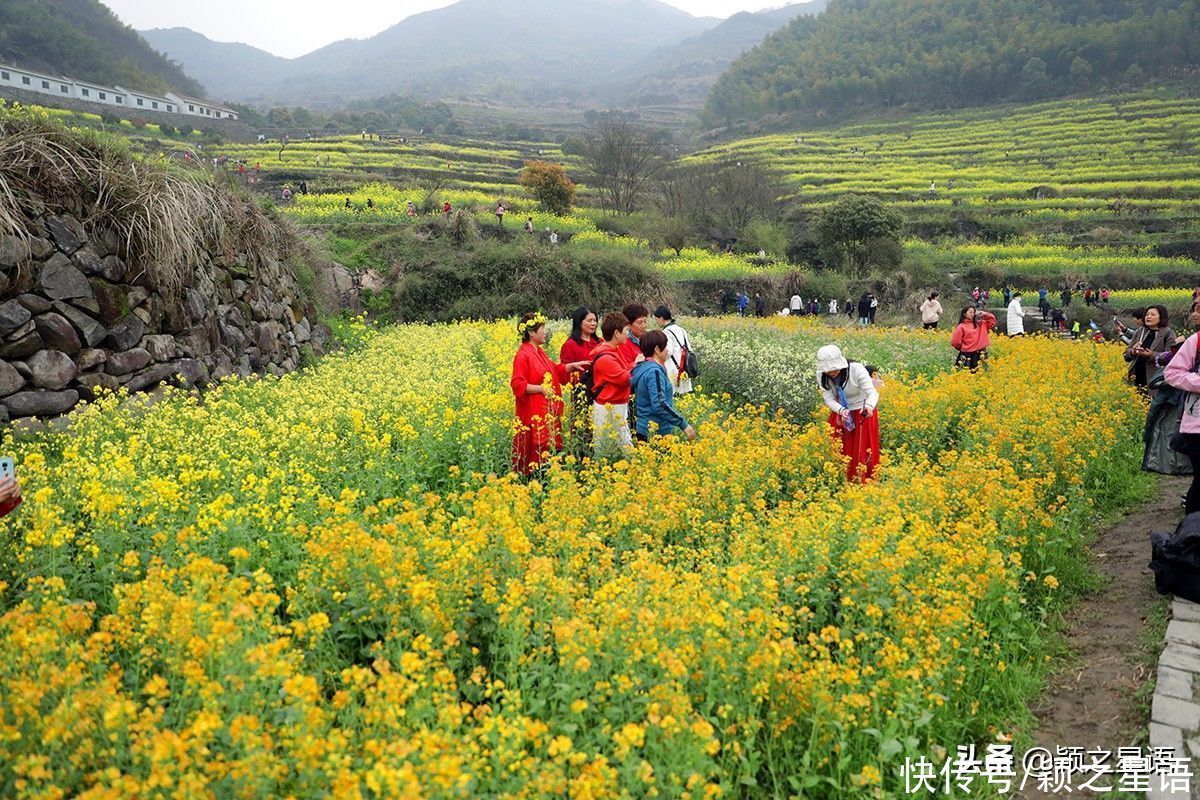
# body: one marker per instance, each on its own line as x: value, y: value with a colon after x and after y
x: 1152, y: 338
x: 760, y: 305
x: 1066, y: 296
x: 1016, y: 317
x: 873, y: 308
x: 679, y: 351
x: 864, y: 309
x: 529, y: 225
x: 931, y: 312
x: 537, y: 386
x: 833, y: 309
x: 610, y: 409
x: 653, y: 394
x: 743, y: 302
x: 1181, y: 373
x: 500, y: 209
x: 850, y: 309
x: 852, y: 398
x: 972, y: 337
x: 796, y: 305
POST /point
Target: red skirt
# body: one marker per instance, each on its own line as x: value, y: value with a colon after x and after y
x: 860, y: 446
x: 535, y: 439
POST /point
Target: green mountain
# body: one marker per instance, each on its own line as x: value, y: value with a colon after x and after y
x: 864, y: 54
x: 83, y: 39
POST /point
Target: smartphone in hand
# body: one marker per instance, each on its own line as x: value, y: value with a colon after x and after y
x: 8, y: 467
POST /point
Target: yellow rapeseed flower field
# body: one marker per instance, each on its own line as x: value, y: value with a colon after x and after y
x: 325, y: 584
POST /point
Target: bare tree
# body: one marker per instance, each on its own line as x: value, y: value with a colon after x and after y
x: 744, y: 194
x: 623, y: 159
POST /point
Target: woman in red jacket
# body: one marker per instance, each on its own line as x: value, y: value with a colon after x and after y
x: 537, y: 386
x: 580, y: 346
x: 972, y: 337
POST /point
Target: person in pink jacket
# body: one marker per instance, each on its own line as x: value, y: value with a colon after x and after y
x: 1181, y: 373
x: 972, y: 337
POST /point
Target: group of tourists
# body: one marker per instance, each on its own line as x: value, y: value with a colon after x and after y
x: 620, y: 377
x: 619, y: 380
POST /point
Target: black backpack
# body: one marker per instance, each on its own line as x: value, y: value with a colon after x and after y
x: 1175, y: 559
x: 588, y: 379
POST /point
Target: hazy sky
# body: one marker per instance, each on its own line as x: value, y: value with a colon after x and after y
x: 292, y: 28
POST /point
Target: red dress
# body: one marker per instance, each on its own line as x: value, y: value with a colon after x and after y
x: 860, y: 445
x: 538, y: 416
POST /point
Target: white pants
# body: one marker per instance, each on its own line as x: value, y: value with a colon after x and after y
x: 610, y: 429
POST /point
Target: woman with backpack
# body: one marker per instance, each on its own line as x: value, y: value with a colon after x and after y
x: 610, y: 388
x: 537, y: 386
x: 679, y: 351
x: 850, y: 393
x: 972, y: 336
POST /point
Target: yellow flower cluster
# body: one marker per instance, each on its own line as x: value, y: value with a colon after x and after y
x: 324, y: 585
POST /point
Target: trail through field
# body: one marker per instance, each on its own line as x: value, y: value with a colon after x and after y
x: 1091, y: 701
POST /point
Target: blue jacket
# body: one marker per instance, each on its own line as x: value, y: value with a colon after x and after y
x: 654, y: 398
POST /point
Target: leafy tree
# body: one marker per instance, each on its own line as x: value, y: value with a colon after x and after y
x: 852, y: 229
x: 548, y: 183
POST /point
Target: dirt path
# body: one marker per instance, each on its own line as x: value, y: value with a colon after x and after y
x: 1090, y: 702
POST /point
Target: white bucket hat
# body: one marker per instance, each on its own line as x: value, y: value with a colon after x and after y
x: 830, y: 358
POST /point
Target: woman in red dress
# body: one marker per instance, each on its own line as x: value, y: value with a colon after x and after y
x: 537, y: 386
x: 852, y: 398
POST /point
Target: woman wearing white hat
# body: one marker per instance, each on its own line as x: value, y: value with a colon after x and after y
x: 852, y: 399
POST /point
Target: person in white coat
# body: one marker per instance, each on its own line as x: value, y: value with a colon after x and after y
x: 677, y: 343
x: 852, y: 397
x: 1016, y: 317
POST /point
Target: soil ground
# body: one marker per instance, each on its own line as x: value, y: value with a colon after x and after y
x: 1092, y: 700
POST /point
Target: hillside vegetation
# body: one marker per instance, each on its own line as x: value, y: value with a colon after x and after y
x: 84, y: 39
x: 952, y: 53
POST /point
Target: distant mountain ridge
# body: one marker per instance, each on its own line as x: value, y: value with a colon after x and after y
x: 529, y: 50
x: 83, y: 39
x: 683, y: 74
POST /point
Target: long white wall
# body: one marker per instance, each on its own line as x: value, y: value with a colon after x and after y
x: 115, y: 96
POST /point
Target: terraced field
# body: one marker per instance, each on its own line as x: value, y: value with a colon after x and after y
x: 1126, y: 164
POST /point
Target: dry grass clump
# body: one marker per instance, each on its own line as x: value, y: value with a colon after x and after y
x: 168, y: 219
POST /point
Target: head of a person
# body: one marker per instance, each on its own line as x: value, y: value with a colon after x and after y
x: 662, y: 315
x: 583, y: 323
x: 654, y: 345
x: 532, y: 328
x: 637, y: 314
x: 612, y: 328
x: 1194, y: 315
x: 1016, y: 295
x: 1137, y: 315
x: 831, y: 363
x: 1156, y: 317
x: 933, y: 295
x: 967, y: 315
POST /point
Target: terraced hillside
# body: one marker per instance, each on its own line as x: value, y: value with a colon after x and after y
x: 1121, y: 171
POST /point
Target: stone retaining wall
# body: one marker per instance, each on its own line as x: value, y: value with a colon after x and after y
x: 75, y: 317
